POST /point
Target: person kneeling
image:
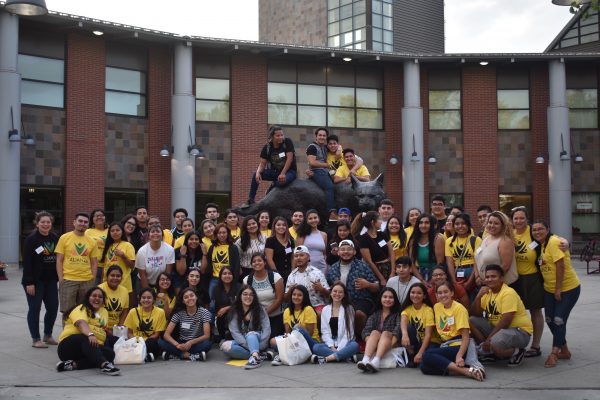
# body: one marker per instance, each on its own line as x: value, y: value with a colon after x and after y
x: 249, y: 326
x: 505, y: 329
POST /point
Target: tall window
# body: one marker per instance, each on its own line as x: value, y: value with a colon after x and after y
x: 513, y: 98
x: 382, y: 22
x: 125, y: 92
x: 586, y: 212
x: 212, y: 89
x: 346, y: 24
x: 42, y: 68
x: 120, y: 202
x: 509, y: 201
x: 444, y: 100
x: 319, y: 95
x: 582, y: 97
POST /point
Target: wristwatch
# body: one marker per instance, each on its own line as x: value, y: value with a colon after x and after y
x: 91, y: 334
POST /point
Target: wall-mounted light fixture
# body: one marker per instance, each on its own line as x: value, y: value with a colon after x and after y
x: 26, y: 8
x: 414, y: 157
x: 432, y: 160
x: 14, y: 135
x: 540, y: 159
x: 578, y: 158
x: 394, y: 159
x: 564, y: 156
x: 193, y: 148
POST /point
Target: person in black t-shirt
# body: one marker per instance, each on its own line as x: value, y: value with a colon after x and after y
x: 277, y: 162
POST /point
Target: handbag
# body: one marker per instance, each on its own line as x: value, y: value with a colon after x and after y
x: 130, y: 351
x: 293, y: 348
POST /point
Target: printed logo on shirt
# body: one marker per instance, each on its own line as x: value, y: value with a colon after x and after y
x: 418, y: 324
x: 146, y: 325
x: 445, y: 323
x: 221, y: 257
x: 48, y: 248
x: 81, y: 250
x: 113, y: 304
x: 491, y: 311
x: 155, y: 262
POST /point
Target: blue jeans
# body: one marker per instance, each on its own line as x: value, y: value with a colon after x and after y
x: 47, y: 293
x: 237, y: 351
x: 321, y: 177
x: 211, y: 287
x: 557, y: 313
x: 436, y: 360
x: 195, y: 349
x: 309, y: 339
x: 350, y: 349
x: 270, y: 175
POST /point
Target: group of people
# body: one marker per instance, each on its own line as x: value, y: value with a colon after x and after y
x: 453, y: 295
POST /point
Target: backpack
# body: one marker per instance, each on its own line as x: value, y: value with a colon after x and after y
x: 270, y: 274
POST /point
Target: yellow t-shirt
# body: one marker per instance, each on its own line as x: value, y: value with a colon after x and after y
x: 344, y: 172
x: 550, y: 255
x: 99, y: 235
x: 409, y: 231
x: 168, y: 237
x: 152, y: 322
x: 220, y: 258
x: 506, y: 301
x: 159, y: 303
x: 524, y: 255
x: 461, y: 251
x: 449, y: 321
x: 293, y: 232
x: 334, y: 163
x: 78, y: 252
x: 207, y: 242
x: 235, y: 233
x: 421, y: 319
x: 179, y: 242
x: 266, y: 233
x: 304, y: 317
x: 115, y: 302
x: 96, y: 322
x: 112, y: 259
x: 398, y: 250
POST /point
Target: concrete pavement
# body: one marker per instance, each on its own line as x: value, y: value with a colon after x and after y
x: 29, y: 373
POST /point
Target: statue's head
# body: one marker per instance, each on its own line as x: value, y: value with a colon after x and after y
x: 368, y: 194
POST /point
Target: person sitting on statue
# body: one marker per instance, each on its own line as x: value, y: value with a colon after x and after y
x: 319, y: 169
x: 342, y: 174
x: 277, y: 162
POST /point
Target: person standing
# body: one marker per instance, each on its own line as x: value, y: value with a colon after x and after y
x: 179, y: 214
x: 40, y: 278
x: 76, y: 263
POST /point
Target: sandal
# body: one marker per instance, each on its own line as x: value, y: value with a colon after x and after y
x: 477, y: 373
x: 533, y: 352
x: 38, y: 344
x: 551, y: 360
x: 564, y: 355
x: 50, y: 340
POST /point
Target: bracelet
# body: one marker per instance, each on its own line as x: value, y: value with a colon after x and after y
x: 91, y: 334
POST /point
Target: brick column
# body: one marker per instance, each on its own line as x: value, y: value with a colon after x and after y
x: 85, y: 125
x: 539, y: 140
x: 159, y: 133
x: 392, y: 106
x: 480, y: 130
x: 248, y: 120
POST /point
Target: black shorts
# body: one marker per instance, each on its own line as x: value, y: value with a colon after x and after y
x: 367, y: 306
x: 531, y: 290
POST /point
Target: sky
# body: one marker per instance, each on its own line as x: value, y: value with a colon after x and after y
x: 472, y: 26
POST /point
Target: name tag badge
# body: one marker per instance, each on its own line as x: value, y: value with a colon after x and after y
x: 479, y: 250
x: 288, y: 250
x: 450, y: 321
x: 281, y: 155
x: 460, y: 274
x: 185, y: 325
x: 532, y: 245
x: 39, y: 250
x: 382, y: 243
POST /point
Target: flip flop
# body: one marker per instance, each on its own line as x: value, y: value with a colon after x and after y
x: 50, y: 340
x: 533, y: 352
x: 477, y: 373
x: 39, y: 345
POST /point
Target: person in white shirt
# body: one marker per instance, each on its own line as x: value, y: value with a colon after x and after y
x: 308, y: 276
x: 154, y: 257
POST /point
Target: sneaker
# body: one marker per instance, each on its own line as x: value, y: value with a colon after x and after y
x: 487, y: 358
x: 268, y: 355
x: 68, y: 365
x: 373, y: 366
x: 353, y: 359
x: 362, y: 366
x: 110, y: 369
x: 517, y: 358
x: 168, y: 356
x: 198, y: 356
x: 315, y: 359
x: 253, y: 362
x: 149, y: 357
x: 276, y: 361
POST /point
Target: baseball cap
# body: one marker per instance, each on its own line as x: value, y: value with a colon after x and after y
x: 301, y: 249
x: 344, y: 211
x: 346, y: 243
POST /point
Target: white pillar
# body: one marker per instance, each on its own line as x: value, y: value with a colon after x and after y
x: 10, y: 152
x: 559, y: 171
x: 413, y: 181
x: 183, y: 116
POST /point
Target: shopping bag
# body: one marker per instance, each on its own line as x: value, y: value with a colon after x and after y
x: 130, y: 351
x: 396, y: 357
x: 293, y: 348
x: 120, y: 331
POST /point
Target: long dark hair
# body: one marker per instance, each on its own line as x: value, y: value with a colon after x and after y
x: 198, y: 250
x: 348, y: 310
x: 255, y: 310
x: 220, y: 294
x: 180, y: 305
x: 364, y: 220
x: 416, y: 237
x: 170, y: 289
x: 406, y: 220
x: 305, y: 229
x: 220, y: 226
x: 85, y: 304
x: 305, y: 299
x: 408, y: 302
x: 395, y: 309
x: 244, y: 235
x: 109, y: 240
x: 401, y: 233
x: 93, y: 214
x: 467, y: 220
x: 336, y: 237
x: 550, y: 234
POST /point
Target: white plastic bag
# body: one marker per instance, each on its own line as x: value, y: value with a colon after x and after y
x: 130, y: 351
x: 396, y: 357
x: 120, y: 331
x: 293, y: 348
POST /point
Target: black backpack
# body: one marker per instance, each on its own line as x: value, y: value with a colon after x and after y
x: 270, y: 274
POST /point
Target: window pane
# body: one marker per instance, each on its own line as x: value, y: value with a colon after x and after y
x: 360, y: 46
x: 125, y: 103
x: 513, y: 119
x: 569, y: 42
x: 282, y: 93
x: 207, y: 110
x: 582, y: 98
x: 377, y: 35
x: 586, y: 208
x: 370, y: 98
x: 583, y: 119
x: 387, y: 9
x: 444, y: 120
x: 333, y: 29
x: 377, y: 46
x: 377, y: 7
x: 314, y: 116
x: 126, y: 80
x: 360, y: 35
x: 344, y: 2
x: 377, y: 20
x: 333, y: 15
x: 360, y: 7
x: 340, y: 96
x: 589, y: 38
x: 346, y: 11
x: 589, y: 29
x: 369, y: 119
x: 340, y: 117
x: 282, y: 114
x: 41, y: 69
x: 360, y: 21
x: 346, y: 25
x: 388, y: 47
x: 334, y: 41
x: 347, y: 38
x: 513, y: 99
x: 42, y: 94
x: 333, y: 3
x: 310, y: 94
x: 387, y: 23
x: 509, y: 201
x: 216, y: 89
x: 444, y: 99
x: 388, y: 37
